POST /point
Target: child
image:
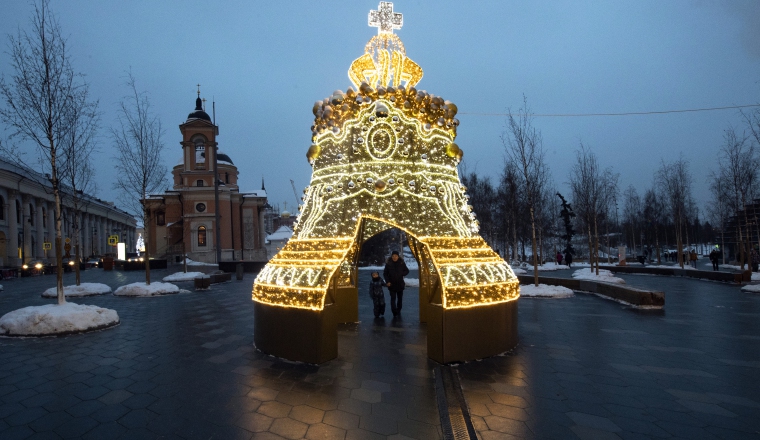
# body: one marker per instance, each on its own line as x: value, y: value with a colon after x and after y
x: 377, y: 294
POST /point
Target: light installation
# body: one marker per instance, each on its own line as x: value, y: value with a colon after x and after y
x: 383, y: 155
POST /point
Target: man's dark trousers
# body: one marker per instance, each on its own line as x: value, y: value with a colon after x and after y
x: 396, y: 300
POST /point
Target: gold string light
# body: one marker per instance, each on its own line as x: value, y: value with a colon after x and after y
x: 384, y: 155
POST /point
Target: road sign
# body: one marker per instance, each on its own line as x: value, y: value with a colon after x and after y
x: 46, y: 245
x: 113, y: 240
x: 67, y: 247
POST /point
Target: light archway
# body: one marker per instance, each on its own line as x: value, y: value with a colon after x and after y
x: 384, y: 156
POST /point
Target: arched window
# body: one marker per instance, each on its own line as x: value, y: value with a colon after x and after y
x: 202, y: 236
x: 199, y: 183
x: 199, y: 142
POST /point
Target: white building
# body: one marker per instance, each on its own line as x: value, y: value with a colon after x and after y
x: 27, y: 219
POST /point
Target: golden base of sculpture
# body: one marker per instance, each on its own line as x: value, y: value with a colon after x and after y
x: 465, y: 334
x: 453, y: 335
x: 302, y: 335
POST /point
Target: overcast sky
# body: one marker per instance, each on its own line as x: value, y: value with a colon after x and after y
x: 265, y: 63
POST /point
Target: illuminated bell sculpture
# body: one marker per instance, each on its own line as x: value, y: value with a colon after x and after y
x: 383, y: 156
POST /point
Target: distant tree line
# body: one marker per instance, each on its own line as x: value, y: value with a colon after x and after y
x: 524, y: 216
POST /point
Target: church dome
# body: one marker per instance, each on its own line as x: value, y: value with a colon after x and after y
x: 220, y: 157
x: 199, y: 113
x: 285, y: 214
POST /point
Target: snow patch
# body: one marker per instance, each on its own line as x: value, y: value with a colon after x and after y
x: 672, y: 266
x: 519, y: 271
x: 412, y: 282
x: 545, y: 291
x: 551, y: 267
x: 56, y: 319
x: 751, y: 288
x: 373, y: 268
x: 199, y: 263
x: 410, y: 264
x: 604, y: 276
x: 182, y: 276
x: 84, y: 289
x: 143, y: 290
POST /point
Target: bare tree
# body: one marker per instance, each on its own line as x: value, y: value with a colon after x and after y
x: 76, y: 167
x: 593, y: 189
x: 38, y: 99
x: 607, y: 206
x: 632, y: 212
x: 675, y: 181
x: 718, y: 209
x: 653, y: 214
x: 482, y: 197
x: 524, y: 147
x: 140, y: 172
x: 738, y: 164
x: 509, y: 208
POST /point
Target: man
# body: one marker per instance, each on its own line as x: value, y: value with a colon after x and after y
x: 714, y: 257
x: 394, y: 273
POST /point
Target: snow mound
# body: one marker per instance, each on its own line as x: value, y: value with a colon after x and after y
x: 56, y: 319
x: 755, y: 277
x: 604, y: 276
x: 518, y: 271
x: 751, y: 288
x: 545, y: 291
x: 412, y: 282
x: 142, y: 289
x: 84, y: 289
x: 182, y: 276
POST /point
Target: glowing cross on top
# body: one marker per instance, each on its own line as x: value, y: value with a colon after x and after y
x: 384, y: 19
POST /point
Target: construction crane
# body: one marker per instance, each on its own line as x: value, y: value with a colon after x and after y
x: 295, y: 193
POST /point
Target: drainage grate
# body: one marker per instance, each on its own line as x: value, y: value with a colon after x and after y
x: 455, y: 418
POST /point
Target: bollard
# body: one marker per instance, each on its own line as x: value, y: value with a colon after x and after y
x: 239, y: 271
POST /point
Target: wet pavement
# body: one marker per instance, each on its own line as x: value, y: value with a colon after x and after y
x: 184, y: 366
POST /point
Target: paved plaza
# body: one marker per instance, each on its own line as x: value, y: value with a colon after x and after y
x: 184, y: 366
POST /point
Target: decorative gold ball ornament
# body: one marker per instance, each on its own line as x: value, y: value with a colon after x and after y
x: 452, y: 150
x: 313, y: 153
x: 380, y: 185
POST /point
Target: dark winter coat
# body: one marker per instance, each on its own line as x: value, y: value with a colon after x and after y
x: 394, y: 273
x: 376, y: 291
